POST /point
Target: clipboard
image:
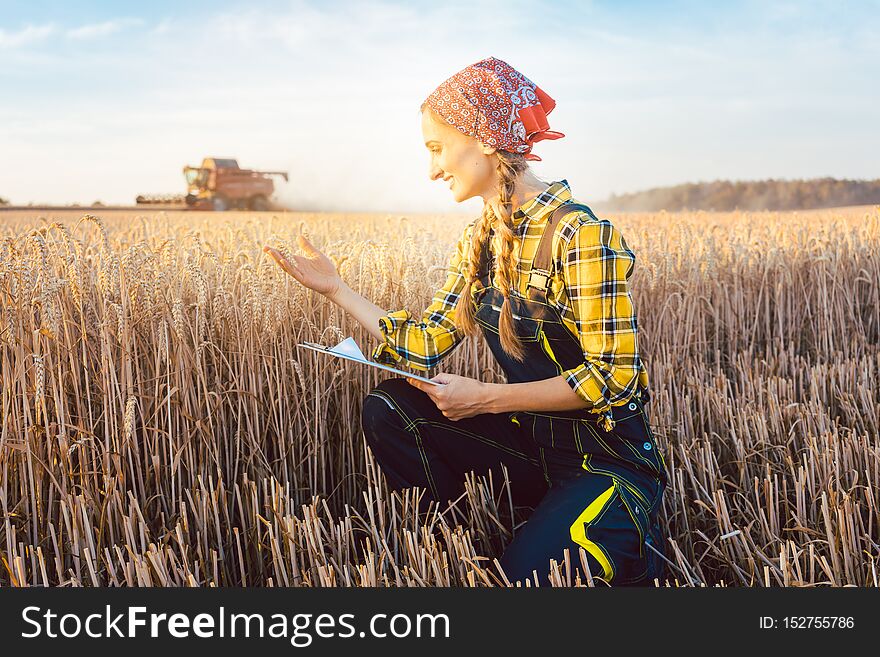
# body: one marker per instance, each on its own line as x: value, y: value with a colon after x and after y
x: 348, y: 345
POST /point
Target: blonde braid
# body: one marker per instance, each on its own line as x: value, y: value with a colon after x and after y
x: 510, y: 166
x: 464, y: 309
x: 505, y: 273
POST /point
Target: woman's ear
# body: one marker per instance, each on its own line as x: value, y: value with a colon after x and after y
x: 486, y: 149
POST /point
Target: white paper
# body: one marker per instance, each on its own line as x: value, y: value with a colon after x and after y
x: 349, y: 350
x: 348, y: 347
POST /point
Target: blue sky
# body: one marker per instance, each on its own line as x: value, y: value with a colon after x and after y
x: 106, y: 100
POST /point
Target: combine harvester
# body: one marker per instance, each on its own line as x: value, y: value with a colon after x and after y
x: 220, y: 184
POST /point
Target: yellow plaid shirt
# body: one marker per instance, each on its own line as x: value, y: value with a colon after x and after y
x: 589, y: 288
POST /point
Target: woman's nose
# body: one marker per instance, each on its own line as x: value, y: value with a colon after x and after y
x: 435, y: 172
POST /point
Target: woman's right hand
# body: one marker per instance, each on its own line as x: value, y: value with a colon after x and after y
x: 314, y: 270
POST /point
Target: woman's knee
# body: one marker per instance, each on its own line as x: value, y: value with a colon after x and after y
x: 383, y: 407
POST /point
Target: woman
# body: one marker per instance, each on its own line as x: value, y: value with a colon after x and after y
x: 546, y: 282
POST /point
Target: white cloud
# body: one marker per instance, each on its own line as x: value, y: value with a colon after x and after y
x: 94, y: 30
x: 162, y: 27
x: 25, y: 36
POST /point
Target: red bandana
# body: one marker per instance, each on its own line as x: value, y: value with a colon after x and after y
x: 493, y: 102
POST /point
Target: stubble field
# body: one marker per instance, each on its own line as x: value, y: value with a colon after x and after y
x: 160, y: 428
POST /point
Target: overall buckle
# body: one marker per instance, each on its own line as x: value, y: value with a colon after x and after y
x: 538, y: 280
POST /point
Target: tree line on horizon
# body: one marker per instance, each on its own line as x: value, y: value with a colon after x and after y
x: 754, y: 195
x: 726, y: 195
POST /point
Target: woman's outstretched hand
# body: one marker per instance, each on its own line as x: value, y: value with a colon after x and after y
x: 458, y: 398
x: 314, y: 270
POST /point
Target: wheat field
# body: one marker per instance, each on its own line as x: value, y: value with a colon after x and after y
x: 159, y: 427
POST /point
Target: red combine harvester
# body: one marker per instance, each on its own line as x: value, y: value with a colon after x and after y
x: 220, y: 184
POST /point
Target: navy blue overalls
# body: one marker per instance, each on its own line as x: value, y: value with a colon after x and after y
x: 596, y: 489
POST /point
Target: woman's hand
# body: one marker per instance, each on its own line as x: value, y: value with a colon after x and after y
x: 315, y: 270
x: 458, y: 398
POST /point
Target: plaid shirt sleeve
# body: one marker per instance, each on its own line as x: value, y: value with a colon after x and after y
x: 596, y: 267
x: 422, y: 344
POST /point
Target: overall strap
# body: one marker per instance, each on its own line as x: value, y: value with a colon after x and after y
x: 540, y: 274
x: 483, y: 268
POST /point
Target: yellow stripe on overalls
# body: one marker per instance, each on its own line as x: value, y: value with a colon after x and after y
x: 549, y: 351
x: 578, y: 532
